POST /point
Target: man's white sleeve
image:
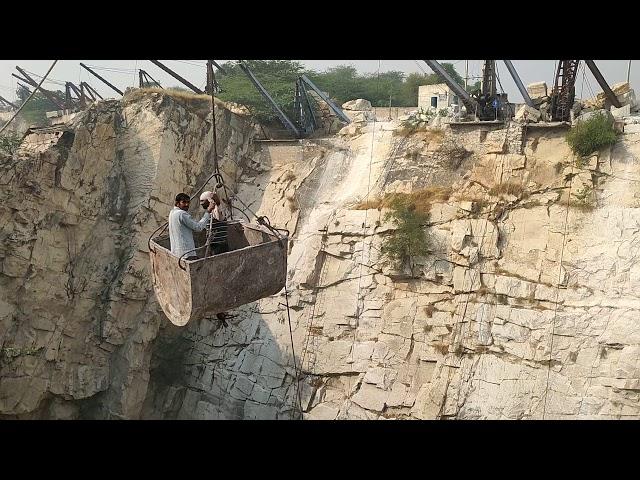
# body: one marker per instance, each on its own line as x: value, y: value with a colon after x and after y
x: 189, y: 222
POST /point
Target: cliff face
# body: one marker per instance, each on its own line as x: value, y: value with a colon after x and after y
x: 77, y: 310
x: 525, y: 307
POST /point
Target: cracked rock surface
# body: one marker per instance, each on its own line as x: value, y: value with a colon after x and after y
x: 526, y: 306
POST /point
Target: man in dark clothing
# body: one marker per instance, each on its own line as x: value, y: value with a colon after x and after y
x: 219, y: 228
x: 218, y: 236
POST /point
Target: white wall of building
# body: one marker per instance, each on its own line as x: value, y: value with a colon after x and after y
x: 436, y: 96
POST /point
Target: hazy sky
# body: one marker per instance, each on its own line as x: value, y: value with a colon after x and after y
x: 122, y: 73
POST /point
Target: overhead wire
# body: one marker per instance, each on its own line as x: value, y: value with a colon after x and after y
x: 49, y: 80
x: 555, y: 313
x: 420, y: 67
x: 192, y: 63
x: 220, y: 180
x: 591, y: 90
x: 459, y: 332
x: 359, y: 298
x: 111, y: 69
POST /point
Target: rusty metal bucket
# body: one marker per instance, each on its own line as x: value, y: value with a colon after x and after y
x: 256, y: 267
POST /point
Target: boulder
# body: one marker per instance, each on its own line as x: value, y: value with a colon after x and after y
x: 358, y: 105
x: 350, y: 130
x: 527, y: 114
x: 544, y: 112
x: 363, y: 116
x: 588, y: 115
x: 576, y: 108
x: 623, y: 92
x: 540, y: 101
x: 537, y: 90
x: 621, y: 112
x: 629, y: 98
x: 621, y: 88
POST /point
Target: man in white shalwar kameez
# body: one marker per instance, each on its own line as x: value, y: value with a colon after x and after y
x: 182, y: 226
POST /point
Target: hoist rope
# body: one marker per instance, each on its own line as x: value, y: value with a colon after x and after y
x: 359, y: 300
x: 262, y: 220
x: 460, y: 322
x: 293, y: 351
x: 555, y: 312
x: 216, y: 167
x: 204, y: 184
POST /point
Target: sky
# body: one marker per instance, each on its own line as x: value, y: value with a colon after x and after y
x: 123, y: 73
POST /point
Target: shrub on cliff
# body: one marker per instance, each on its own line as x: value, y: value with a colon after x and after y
x: 9, y: 142
x: 592, y: 134
x: 409, y: 239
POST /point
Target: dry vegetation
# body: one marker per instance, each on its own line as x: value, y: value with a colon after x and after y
x: 292, y: 203
x: 441, y: 348
x: 509, y: 188
x: 289, y: 176
x: 484, y: 290
x: 429, y: 309
x: 478, y: 204
x: 584, y: 199
x: 198, y: 104
x: 421, y: 132
x: 421, y: 199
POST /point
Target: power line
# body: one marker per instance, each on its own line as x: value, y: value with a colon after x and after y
x: 420, y: 67
x: 192, y: 63
x: 121, y: 71
x: 555, y: 313
x: 111, y: 68
x: 51, y: 80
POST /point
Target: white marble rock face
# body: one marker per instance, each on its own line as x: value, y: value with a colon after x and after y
x: 525, y: 307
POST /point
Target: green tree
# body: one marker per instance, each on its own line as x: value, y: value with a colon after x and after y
x: 409, y: 240
x: 342, y: 83
x: 178, y: 88
x: 409, y: 95
x: 9, y: 142
x: 474, y: 87
x: 385, y: 85
x: 451, y: 70
x: 277, y: 76
x: 35, y: 110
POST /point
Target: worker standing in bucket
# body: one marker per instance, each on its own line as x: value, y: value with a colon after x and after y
x: 210, y: 201
x: 219, y: 228
x: 182, y: 226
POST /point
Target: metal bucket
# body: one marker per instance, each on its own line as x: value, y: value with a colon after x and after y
x: 256, y: 267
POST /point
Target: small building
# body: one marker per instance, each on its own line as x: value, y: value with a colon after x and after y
x: 57, y: 117
x: 436, y: 97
